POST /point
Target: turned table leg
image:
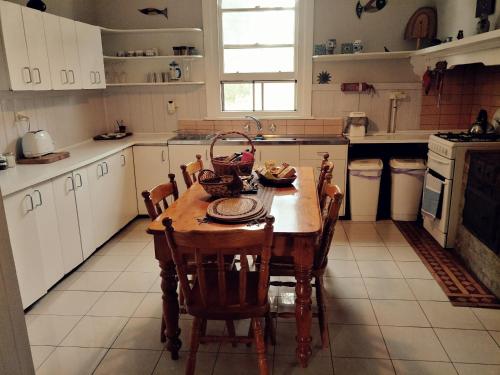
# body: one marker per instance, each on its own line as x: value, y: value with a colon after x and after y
x: 303, y: 304
x: 170, y: 308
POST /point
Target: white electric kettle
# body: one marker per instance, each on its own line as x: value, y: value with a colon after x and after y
x: 37, y: 143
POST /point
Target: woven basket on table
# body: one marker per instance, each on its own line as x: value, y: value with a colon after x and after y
x: 217, y: 186
x: 222, y: 167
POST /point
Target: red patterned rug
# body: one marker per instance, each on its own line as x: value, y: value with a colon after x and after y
x: 461, y: 287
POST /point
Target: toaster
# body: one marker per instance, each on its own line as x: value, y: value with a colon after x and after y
x: 37, y: 143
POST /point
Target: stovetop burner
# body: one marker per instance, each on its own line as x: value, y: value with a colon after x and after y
x: 467, y: 137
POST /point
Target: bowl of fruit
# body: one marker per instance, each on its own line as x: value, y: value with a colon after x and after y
x: 275, y: 174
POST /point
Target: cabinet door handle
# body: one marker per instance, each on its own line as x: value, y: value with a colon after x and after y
x: 39, y: 198
x: 38, y: 75
x: 80, y: 180
x: 92, y: 77
x: 98, y: 77
x: 32, y: 206
x: 163, y: 155
x: 321, y: 153
x: 72, y: 188
x: 64, y: 77
x: 124, y: 160
x: 99, y: 167
x: 27, y: 69
x: 206, y: 154
x: 107, y: 168
x: 72, y: 76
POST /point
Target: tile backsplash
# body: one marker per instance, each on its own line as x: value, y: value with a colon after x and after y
x: 69, y: 118
x: 466, y: 90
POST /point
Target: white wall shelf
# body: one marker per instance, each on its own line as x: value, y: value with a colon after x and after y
x: 142, y: 58
x: 151, y: 31
x: 363, y: 56
x: 130, y: 84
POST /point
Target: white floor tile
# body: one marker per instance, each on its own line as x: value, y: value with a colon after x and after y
x: 371, y: 253
x: 95, y: 332
x: 65, y: 303
x: 379, y: 268
x: 489, y: 317
x: 345, y: 287
x: 340, y: 252
x: 362, y: 366
x: 88, y: 281
x: 213, y: 328
x: 469, y: 346
x: 106, y: 263
x: 148, y: 251
x: 350, y: 311
x: 388, y: 289
x: 423, y: 368
x: 496, y: 336
x: 128, y: 362
x: 144, y: 264
x: 427, y: 290
x: 415, y: 270
x: 72, y: 361
x: 394, y: 239
x: 357, y: 341
x: 288, y: 365
x: 205, y: 363
x: 243, y: 364
x: 134, y: 282
x: 49, y: 329
x: 40, y: 354
x: 471, y: 369
x: 445, y: 315
x: 413, y: 344
x: 150, y: 307
x: 399, y: 313
x: 286, y: 342
x: 117, y: 304
x: 140, y: 333
x: 135, y: 235
x: 123, y: 248
x: 403, y: 253
x: 342, y: 268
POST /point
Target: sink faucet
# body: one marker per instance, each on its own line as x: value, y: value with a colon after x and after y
x: 257, y: 123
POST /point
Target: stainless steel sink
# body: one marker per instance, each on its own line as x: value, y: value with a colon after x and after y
x: 263, y: 139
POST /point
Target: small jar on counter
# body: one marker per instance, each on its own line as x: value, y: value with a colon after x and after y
x: 11, y: 160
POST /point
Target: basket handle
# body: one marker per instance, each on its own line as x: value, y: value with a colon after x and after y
x: 222, y: 135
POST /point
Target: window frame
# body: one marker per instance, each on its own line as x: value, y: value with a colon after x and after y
x: 214, y: 59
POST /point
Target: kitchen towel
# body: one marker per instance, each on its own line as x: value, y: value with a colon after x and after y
x: 433, y: 189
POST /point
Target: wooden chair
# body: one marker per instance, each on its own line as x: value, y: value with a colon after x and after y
x: 219, y: 293
x: 152, y: 200
x: 283, y: 266
x: 159, y: 194
x: 325, y: 177
x: 190, y: 171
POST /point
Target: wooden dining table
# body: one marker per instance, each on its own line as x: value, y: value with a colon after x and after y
x: 296, y: 229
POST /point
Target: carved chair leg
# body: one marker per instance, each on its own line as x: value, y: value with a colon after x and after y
x: 322, y: 314
x: 231, y: 331
x: 195, y: 342
x: 260, y: 346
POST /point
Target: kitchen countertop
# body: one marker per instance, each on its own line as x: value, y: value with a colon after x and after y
x: 204, y: 139
x: 82, y: 154
x: 391, y: 138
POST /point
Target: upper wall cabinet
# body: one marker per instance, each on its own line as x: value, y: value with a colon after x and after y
x: 62, y: 48
x: 24, y: 52
x: 91, y: 57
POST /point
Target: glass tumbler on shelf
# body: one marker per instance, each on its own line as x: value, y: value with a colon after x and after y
x: 186, y: 70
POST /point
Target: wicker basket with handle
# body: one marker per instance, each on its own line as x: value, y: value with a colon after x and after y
x: 223, y: 167
x: 218, y: 186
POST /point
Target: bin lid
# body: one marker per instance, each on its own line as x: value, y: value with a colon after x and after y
x: 366, y: 165
x: 407, y: 164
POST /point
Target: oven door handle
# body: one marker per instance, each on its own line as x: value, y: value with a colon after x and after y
x: 438, y: 159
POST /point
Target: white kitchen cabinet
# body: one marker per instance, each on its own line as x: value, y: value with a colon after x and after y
x: 125, y: 189
x: 25, y: 53
x: 281, y: 153
x: 67, y: 215
x: 183, y: 154
x: 62, y: 48
x: 91, y: 56
x: 34, y: 237
x: 84, y: 208
x: 48, y: 233
x: 151, y: 169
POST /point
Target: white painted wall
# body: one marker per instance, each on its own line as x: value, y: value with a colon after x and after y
x: 80, y: 10
x: 454, y: 15
x: 337, y: 19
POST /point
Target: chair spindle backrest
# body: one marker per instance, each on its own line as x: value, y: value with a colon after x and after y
x: 211, y: 250
x: 190, y: 171
x: 334, y: 197
x: 325, y: 177
x: 159, y: 194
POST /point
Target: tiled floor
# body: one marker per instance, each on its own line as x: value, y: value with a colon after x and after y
x: 387, y: 316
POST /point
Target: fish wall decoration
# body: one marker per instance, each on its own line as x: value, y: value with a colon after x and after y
x: 154, y: 11
x: 370, y: 6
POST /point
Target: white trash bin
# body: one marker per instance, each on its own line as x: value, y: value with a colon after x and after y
x: 407, y: 178
x: 364, y: 188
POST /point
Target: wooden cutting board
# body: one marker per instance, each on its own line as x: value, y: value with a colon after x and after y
x: 45, y: 159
